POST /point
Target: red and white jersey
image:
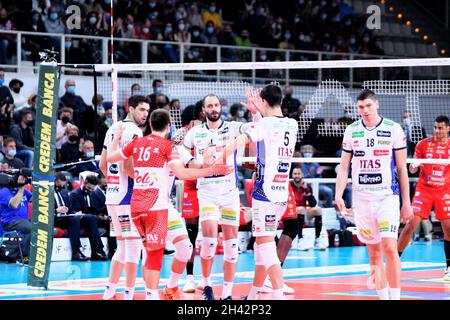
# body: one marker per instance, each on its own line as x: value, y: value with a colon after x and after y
x: 433, y: 175
x: 119, y: 184
x: 151, y: 156
x: 373, y: 163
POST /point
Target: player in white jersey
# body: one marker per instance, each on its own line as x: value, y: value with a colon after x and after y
x: 376, y: 149
x: 118, y: 197
x: 218, y: 196
x: 276, y: 137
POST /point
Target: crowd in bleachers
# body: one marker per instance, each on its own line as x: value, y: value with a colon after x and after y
x: 322, y: 25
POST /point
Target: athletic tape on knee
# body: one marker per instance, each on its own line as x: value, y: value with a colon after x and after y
x: 183, y: 250
x: 258, y: 260
x: 154, y: 259
x: 230, y: 250
x: 119, y: 255
x: 133, y: 248
x: 268, y: 254
x: 290, y: 228
x: 208, y: 249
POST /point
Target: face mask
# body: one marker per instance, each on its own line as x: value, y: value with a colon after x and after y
x: 152, y: 4
x: 65, y: 119
x: 12, y: 153
x: 159, y: 90
x: 352, y: 40
x: 135, y: 92
x: 108, y: 122
x: 212, y: 9
x: 169, y: 29
x: 348, y: 23
x: 76, y: 43
x: 2, y: 81
x: 153, y: 15
x: 196, y: 34
x: 73, y: 138
x: 264, y: 57
x: 35, y: 19
x: 241, y: 113
x: 297, y: 20
x: 366, y: 39
x: 407, y: 122
x: 90, y: 154
x: 301, y: 37
x: 16, y: 90
x: 71, y: 89
x: 92, y: 20
x: 195, y: 53
x: 54, y: 16
x: 68, y: 44
x: 210, y: 29
x: 181, y: 27
x: 287, y: 36
x: 130, y: 27
x: 145, y: 30
x: 324, y: 16
x: 307, y: 155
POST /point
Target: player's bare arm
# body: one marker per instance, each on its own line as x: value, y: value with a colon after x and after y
x: 103, y: 163
x: 184, y: 173
x: 114, y: 155
x: 341, y: 180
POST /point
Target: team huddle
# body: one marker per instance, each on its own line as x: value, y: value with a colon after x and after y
x: 140, y: 173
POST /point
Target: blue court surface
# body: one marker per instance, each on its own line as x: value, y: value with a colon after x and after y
x: 334, y: 274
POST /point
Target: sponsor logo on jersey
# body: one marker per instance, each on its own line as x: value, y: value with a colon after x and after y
x: 383, y: 133
x: 152, y: 238
x: 356, y: 143
x: 384, y: 226
x: 370, y: 178
x: 384, y: 142
x: 201, y: 135
x: 369, y: 164
x: 283, y: 167
x: 437, y: 173
x: 278, y: 188
x: 429, y: 155
x: 113, y: 180
x: 359, y: 153
x: 285, y: 152
x: 418, y: 201
x: 271, y: 218
x: 440, y: 151
x: 114, y: 189
x: 225, y: 130
x: 358, y: 134
x: 114, y: 169
x: 387, y: 122
x: 380, y: 153
x: 281, y: 178
x: 149, y: 178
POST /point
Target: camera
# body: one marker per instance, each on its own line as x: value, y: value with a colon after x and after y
x: 9, y: 177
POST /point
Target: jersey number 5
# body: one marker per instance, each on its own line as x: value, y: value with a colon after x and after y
x: 286, y: 138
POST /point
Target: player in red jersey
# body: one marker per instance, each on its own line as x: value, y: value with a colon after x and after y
x: 433, y: 188
x: 153, y: 157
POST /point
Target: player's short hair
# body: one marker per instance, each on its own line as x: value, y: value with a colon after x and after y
x: 444, y: 119
x: 91, y: 179
x: 159, y: 120
x: 207, y: 96
x: 60, y: 176
x: 135, y: 100
x: 272, y: 94
x: 155, y: 82
x: 366, y: 94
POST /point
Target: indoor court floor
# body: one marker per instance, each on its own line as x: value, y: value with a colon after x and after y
x: 334, y: 274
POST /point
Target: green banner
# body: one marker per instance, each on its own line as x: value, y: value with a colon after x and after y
x: 43, y: 176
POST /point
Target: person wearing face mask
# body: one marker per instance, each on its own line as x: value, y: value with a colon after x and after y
x: 287, y: 42
x: 70, y: 151
x: 158, y: 88
x: 213, y: 14
x: 15, y: 85
x: 9, y: 154
x: 194, y: 16
x: 54, y: 24
x: 76, y: 103
x: 314, y: 170
x: 24, y: 136
x: 237, y: 113
x: 183, y: 35
x: 81, y: 203
x: 88, y: 154
x: 62, y: 124
x: 33, y: 44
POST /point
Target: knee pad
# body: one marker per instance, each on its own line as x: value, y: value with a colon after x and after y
x: 154, y: 259
x: 133, y: 248
x: 119, y: 255
x: 208, y: 249
x: 290, y: 228
x: 258, y: 261
x: 230, y: 250
x: 268, y: 254
x: 183, y: 250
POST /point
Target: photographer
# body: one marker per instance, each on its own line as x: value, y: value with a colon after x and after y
x: 14, y: 201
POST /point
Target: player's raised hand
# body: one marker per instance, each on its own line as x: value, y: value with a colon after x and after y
x: 406, y: 213
x: 254, y: 101
x: 119, y: 132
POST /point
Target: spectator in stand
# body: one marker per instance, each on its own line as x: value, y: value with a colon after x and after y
x: 71, y: 151
x: 213, y: 15
x: 168, y: 12
x: 135, y: 90
x: 298, y: 113
x: 412, y: 132
x: 6, y: 39
x: 71, y: 100
x: 88, y: 153
x: 41, y: 6
x: 256, y: 23
x: 289, y: 102
x: 181, y: 12
x: 348, y: 115
x: 14, y: 213
x: 307, y: 210
x: 34, y: 44
x: 6, y: 97
x: 314, y: 170
x: 237, y: 113
x: 243, y: 40
x: 144, y: 33
x: 103, y: 124
x: 63, y: 123
x: 170, y: 51
x: 157, y: 87
x: 211, y: 34
x: 95, y: 26
x: 19, y: 101
x: 182, y: 35
x: 197, y: 35
x: 152, y: 10
x: 9, y: 154
x: 194, y: 17
x: 304, y: 41
x: 276, y: 32
x: 23, y: 134
x: 288, y: 42
x: 81, y: 203
x: 95, y: 6
x: 54, y: 25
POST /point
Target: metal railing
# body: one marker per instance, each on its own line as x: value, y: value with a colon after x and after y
x: 150, y: 51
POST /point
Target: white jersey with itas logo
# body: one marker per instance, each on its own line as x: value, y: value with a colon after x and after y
x: 373, y: 164
x: 119, y: 184
x: 199, y: 138
x: 276, y: 137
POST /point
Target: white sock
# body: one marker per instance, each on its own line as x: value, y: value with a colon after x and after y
x: 151, y: 294
x: 254, y: 293
x: 278, y: 294
x: 173, y: 280
x: 128, y: 294
x: 227, y: 289
x: 206, y: 281
x: 394, y: 293
x: 383, y: 293
x: 110, y: 291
